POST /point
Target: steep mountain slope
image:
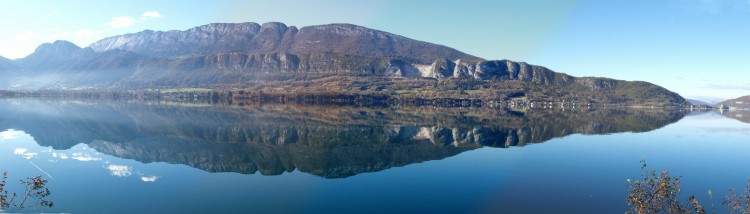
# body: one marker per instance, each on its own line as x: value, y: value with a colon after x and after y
x: 66, y: 56
x: 273, y: 37
x: 334, y: 59
x: 62, y: 64
x: 7, y: 64
x: 736, y: 103
x: 245, y: 66
x: 326, y: 73
x: 55, y: 56
x: 8, y: 71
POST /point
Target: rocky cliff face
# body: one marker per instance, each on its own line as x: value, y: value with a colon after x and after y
x: 273, y: 37
x: 304, y: 72
x: 481, y: 70
x: 240, y: 63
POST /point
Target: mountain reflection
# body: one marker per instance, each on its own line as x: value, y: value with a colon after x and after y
x: 739, y: 115
x: 331, y: 142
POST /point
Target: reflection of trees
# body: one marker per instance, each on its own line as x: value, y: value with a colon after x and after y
x: 322, y: 140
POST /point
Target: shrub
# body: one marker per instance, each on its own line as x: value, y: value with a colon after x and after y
x: 35, y: 195
x: 738, y: 204
x: 659, y: 193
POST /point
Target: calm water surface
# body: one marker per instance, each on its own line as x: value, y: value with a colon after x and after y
x: 134, y: 158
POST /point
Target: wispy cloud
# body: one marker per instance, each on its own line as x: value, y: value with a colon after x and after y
x: 129, y: 21
x: 152, y: 14
x: 41, y: 170
x: 121, y: 22
x: 149, y: 178
x: 27, y: 36
x: 21, y: 43
x: 43, y: 19
x: 85, y: 157
x: 20, y: 151
x: 87, y: 34
x: 24, y: 152
x: 745, y: 86
x: 10, y: 134
x: 120, y: 170
x: 713, y: 6
x: 60, y: 155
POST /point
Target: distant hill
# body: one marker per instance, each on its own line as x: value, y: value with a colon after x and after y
x: 7, y: 64
x: 333, y: 59
x: 66, y: 56
x: 697, y: 102
x: 62, y: 64
x: 8, y: 71
x: 736, y: 103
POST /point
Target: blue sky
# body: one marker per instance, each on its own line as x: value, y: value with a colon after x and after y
x: 698, y: 48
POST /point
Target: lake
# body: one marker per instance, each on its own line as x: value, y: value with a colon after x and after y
x: 131, y: 157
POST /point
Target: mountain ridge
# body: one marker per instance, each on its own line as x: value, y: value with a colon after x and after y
x: 274, y: 37
x: 342, y: 59
x: 736, y: 103
x: 6, y: 64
